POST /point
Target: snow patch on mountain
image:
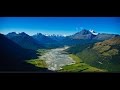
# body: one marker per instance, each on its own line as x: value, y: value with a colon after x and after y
x: 55, y: 35
x: 93, y: 32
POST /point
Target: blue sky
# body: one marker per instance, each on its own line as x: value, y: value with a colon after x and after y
x: 59, y: 25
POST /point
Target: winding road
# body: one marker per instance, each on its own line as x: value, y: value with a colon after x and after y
x: 56, y: 58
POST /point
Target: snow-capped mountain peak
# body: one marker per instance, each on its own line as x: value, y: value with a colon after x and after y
x: 93, y: 32
x: 64, y: 35
x: 55, y: 35
x: 46, y: 34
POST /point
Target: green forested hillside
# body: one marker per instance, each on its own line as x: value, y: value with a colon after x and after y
x: 103, y: 55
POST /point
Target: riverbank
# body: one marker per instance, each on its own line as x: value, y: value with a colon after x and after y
x: 79, y: 66
x: 60, y: 61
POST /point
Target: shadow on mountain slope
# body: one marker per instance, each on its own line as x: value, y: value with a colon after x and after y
x: 13, y: 56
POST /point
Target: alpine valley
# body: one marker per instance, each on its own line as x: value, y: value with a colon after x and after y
x: 84, y: 51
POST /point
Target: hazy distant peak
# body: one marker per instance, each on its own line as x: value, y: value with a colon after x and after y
x: 46, y: 34
x: 23, y: 34
x: 64, y: 35
x: 39, y: 34
x: 13, y: 33
x: 56, y: 35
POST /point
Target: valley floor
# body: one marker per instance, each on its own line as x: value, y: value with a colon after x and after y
x: 60, y: 61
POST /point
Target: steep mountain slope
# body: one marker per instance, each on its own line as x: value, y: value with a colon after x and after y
x: 84, y: 34
x: 104, y: 55
x: 12, y: 55
x: 92, y: 35
x: 109, y: 47
x: 24, y: 40
x: 104, y: 36
x: 80, y: 38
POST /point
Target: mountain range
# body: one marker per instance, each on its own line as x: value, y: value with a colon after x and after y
x: 101, y: 50
x: 40, y: 40
x: 51, y: 41
x: 24, y: 40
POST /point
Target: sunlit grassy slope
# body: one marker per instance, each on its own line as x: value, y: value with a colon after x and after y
x: 37, y: 62
x: 79, y: 66
x: 103, y: 55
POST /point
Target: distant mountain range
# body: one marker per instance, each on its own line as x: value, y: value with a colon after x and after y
x: 24, y: 40
x: 48, y: 38
x: 57, y: 37
x: 51, y: 41
x: 40, y: 40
